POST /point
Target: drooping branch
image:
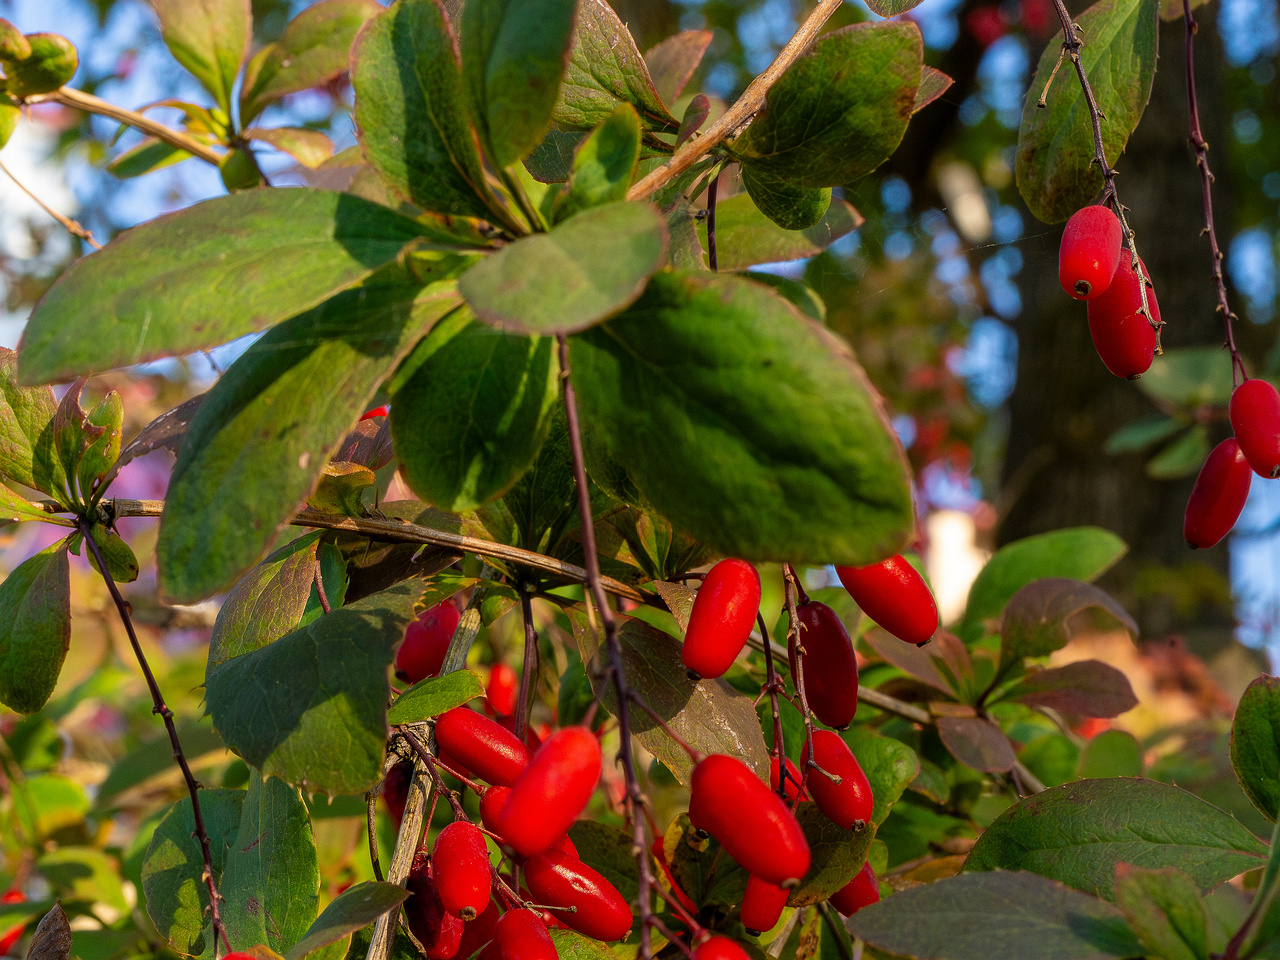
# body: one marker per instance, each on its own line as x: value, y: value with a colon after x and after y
x: 73, y: 227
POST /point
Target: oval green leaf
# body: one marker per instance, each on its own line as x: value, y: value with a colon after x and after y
x: 35, y: 628
x: 1255, y: 744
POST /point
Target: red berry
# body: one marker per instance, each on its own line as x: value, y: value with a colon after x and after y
x: 476, y: 933
x: 762, y: 905
x: 718, y: 948
x: 723, y: 614
x: 521, y: 935
x: 659, y: 853
x: 1122, y: 336
x: 1218, y: 496
x: 483, y: 745
x: 14, y: 933
x: 552, y: 791
x: 503, y: 689
x: 850, y: 800
x: 462, y: 869
x: 559, y: 881
x: 395, y: 789
x: 862, y: 891
x: 238, y: 955
x: 830, y: 668
x: 565, y: 845
x: 381, y: 411
x: 793, y: 787
x: 1255, y: 418
x: 491, y: 803
x: 1090, y: 252
x: 748, y: 819
x: 439, y: 931
x: 426, y: 640
x: 893, y: 595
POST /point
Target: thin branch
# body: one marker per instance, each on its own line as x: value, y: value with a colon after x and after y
x: 740, y: 114
x: 772, y: 686
x: 415, y: 809
x: 712, y: 190
x: 530, y: 664
x: 73, y: 227
x: 319, y: 578
x: 159, y: 706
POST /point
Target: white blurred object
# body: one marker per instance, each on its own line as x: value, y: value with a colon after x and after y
x: 962, y: 193
x: 953, y: 560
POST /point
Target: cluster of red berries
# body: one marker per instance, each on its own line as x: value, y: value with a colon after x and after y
x: 1091, y: 268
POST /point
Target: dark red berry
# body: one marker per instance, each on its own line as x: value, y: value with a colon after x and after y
x: 893, y: 595
x: 793, y: 787
x: 749, y: 820
x: 476, y: 933
x: 718, y: 948
x: 723, y: 614
x: 462, y: 873
x: 762, y: 905
x: 521, y: 935
x: 503, y: 689
x: 439, y: 931
x: 426, y: 640
x: 560, y: 881
x: 552, y: 791
x: 1090, y: 252
x: 1255, y: 418
x: 485, y: 746
x: 395, y: 789
x: 844, y: 803
x: 862, y: 891
x: 830, y: 667
x: 1122, y: 336
x: 1218, y: 496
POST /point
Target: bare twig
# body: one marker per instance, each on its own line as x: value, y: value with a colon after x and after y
x: 73, y: 227
x: 712, y: 190
x: 415, y: 809
x: 530, y: 664
x: 319, y: 578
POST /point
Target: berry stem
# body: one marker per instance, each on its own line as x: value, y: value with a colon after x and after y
x: 772, y: 685
x: 319, y: 578
x: 712, y: 189
x: 530, y: 664
x: 796, y: 649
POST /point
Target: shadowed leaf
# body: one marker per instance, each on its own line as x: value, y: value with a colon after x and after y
x: 1255, y: 744
x: 1038, y: 618
x: 35, y: 628
x: 1087, y: 688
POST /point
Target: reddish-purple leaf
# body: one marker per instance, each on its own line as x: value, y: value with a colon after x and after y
x: 1087, y: 688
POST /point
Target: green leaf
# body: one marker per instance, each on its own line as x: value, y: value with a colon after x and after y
x: 890, y: 765
x: 574, y: 946
x: 434, y: 696
x: 52, y: 62
x: 1039, y: 618
x: 759, y: 434
x: 265, y: 431
x: 407, y: 76
x: 672, y: 62
x: 314, y: 48
x: 155, y: 757
x: 83, y: 873
x: 208, y: 37
x: 271, y: 880
x: 13, y: 45
x: 14, y: 507
x: 891, y: 8
x: 657, y: 547
x: 1054, y: 165
x: 470, y: 409
x: 587, y: 268
x: 840, y: 110
x: 1255, y: 744
x: 35, y: 628
x: 1181, y: 458
x: 543, y: 503
x: 1142, y: 434
x: 354, y: 908
x: 10, y: 114
x: 607, y: 850
x: 745, y: 237
x: 1082, y: 553
x: 151, y: 154
x: 1078, y: 832
x: 121, y: 564
x: 604, y: 165
x: 172, y: 884
x: 205, y: 275
x: 310, y: 148
x: 1112, y: 753
x: 995, y: 916
x: 327, y: 687
x: 933, y: 84
x: 787, y: 203
x: 514, y: 56
x: 25, y: 415
x: 103, y: 426
x: 1086, y: 688
x: 49, y: 803
x: 1163, y: 908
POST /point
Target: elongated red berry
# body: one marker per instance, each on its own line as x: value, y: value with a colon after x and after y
x: 395, y: 789
x: 794, y: 781
x: 862, y: 891
x: 426, y: 641
x: 893, y: 595
x: 491, y: 803
x: 558, y: 880
x: 1218, y: 496
x: 830, y: 667
x: 503, y: 689
x: 476, y: 933
x: 844, y: 803
x: 1122, y: 336
x: 657, y: 848
x: 14, y: 933
x: 723, y: 614
x: 1255, y: 418
x: 381, y: 411
x: 718, y: 948
x: 552, y: 791
x: 490, y: 751
x: 762, y: 905
x: 521, y: 935
x: 462, y: 872
x: 749, y: 820
x: 439, y: 931
x: 1090, y: 252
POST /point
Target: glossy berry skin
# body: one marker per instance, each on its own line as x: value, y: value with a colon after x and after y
x: 521, y: 935
x: 862, y: 891
x: 794, y: 780
x: 461, y: 866
x: 491, y: 803
x: 718, y: 948
x: 722, y: 617
x: 751, y: 822
x: 830, y: 668
x: 439, y: 931
x: 844, y: 803
x: 1218, y: 496
x: 762, y: 905
x: 14, y: 933
x: 552, y: 791
x: 426, y: 640
x: 1090, y: 252
x: 557, y: 880
x: 233, y: 955
x: 476, y: 933
x: 893, y: 595
x: 1255, y: 418
x: 503, y: 689
x: 395, y: 789
x: 1122, y: 336
x: 382, y: 411
x: 483, y: 745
